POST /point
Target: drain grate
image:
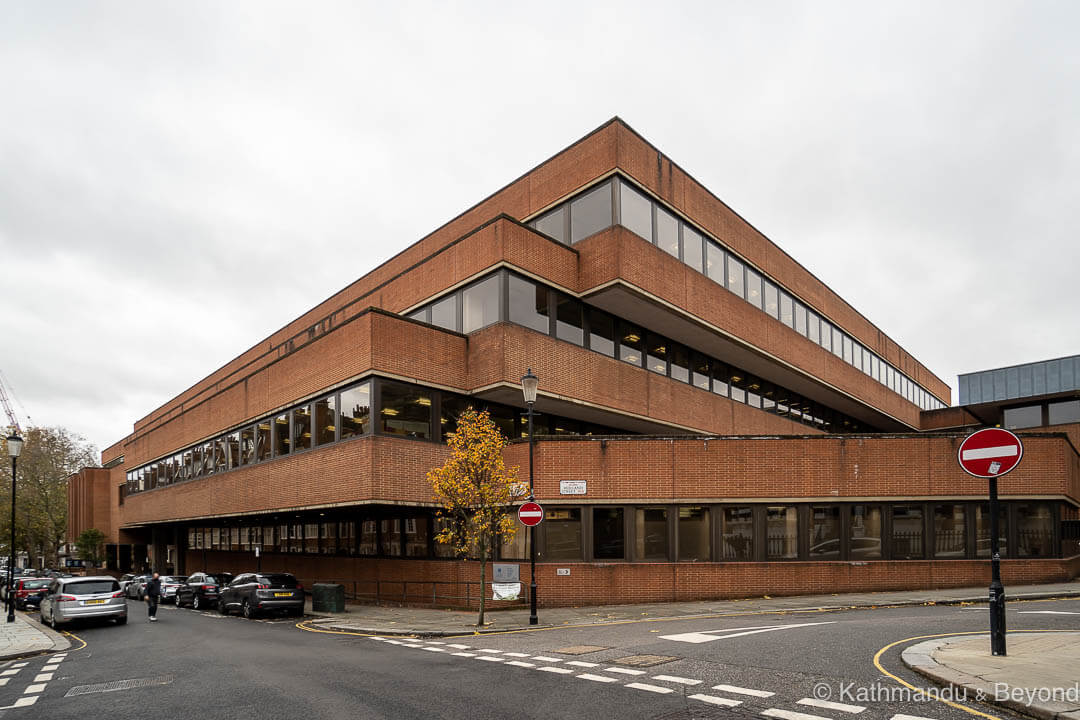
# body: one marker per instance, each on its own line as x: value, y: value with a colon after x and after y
x: 580, y: 649
x: 116, y: 685
x: 644, y: 660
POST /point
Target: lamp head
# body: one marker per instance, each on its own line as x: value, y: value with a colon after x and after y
x: 529, y: 383
x: 15, y: 443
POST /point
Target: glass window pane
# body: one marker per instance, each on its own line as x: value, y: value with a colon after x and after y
x: 737, y: 385
x: 651, y: 526
x: 692, y: 248
x: 753, y: 288
x: 562, y: 534
x: 636, y: 211
x: 1065, y: 412
x: 416, y: 536
x: 737, y: 533
x: 813, y: 329
x: 516, y: 548
x: 553, y: 224
x: 262, y: 441
x: 714, y: 261
x: 982, y: 530
x: 420, y: 315
x: 247, y: 446
x: 864, y: 538
x: 232, y: 442
x: 451, y: 407
x: 302, y: 428
x: 825, y: 532
x: 849, y: 356
x: 325, y: 420
x: 800, y: 318
x: 700, y: 371
x: 480, y: 304
x: 787, y: 313
x: 667, y: 232
x: 950, y: 531
x: 720, y: 375
x: 657, y: 358
x: 356, y: 411
x: 837, y: 341
x: 282, y: 445
x: 772, y: 298
x: 781, y: 532
x: 444, y: 313
x: 221, y: 455
x: 1023, y: 417
x: 826, y: 334
x: 735, y: 276
x: 569, y: 325
x: 631, y: 344
x: 679, y: 358
x: 405, y: 410
x: 390, y: 536
x: 601, y: 332
x: 590, y: 213
x: 694, y: 544
x: 1034, y: 529
x: 529, y: 304
x: 369, y: 536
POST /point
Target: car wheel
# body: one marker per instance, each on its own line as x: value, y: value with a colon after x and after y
x: 222, y: 607
x: 122, y: 620
x: 245, y: 607
x: 195, y: 604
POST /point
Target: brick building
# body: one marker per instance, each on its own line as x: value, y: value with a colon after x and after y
x: 715, y: 420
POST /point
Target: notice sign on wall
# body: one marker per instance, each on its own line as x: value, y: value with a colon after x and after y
x: 505, y: 591
x: 572, y: 487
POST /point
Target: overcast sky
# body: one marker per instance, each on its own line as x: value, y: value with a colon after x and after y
x: 178, y: 180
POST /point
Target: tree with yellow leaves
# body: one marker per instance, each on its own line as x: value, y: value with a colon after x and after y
x: 473, y: 489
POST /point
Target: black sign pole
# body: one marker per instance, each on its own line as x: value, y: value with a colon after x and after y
x: 997, y: 590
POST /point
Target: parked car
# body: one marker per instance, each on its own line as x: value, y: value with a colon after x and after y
x: 125, y: 580
x: 29, y: 591
x: 134, y: 589
x: 83, y: 598
x: 169, y: 584
x: 256, y: 593
x: 200, y: 591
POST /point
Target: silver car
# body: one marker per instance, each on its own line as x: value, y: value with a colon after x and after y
x: 83, y: 598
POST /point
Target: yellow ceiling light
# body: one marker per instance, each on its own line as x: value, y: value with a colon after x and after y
x: 425, y: 401
x: 632, y: 338
x: 389, y: 411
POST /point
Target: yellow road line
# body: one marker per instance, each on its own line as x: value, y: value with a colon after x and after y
x: 71, y: 635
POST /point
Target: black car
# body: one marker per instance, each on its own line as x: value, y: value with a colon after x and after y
x: 28, y: 592
x: 256, y: 593
x: 200, y: 591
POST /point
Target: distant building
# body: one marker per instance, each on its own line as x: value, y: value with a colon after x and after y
x: 715, y: 420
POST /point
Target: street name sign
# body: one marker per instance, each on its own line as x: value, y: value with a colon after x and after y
x: 530, y: 514
x: 990, y: 452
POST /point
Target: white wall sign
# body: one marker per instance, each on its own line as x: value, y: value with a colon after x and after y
x: 562, y: 571
x: 572, y: 487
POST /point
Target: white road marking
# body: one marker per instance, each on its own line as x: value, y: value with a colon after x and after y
x: 40, y: 687
x: 24, y: 702
x: 510, y: 654
x: 19, y: 665
x: 464, y: 654
x: 518, y: 663
x: 676, y: 679
x: 596, y: 678
x: 709, y: 636
x: 990, y: 452
x: 432, y: 649
x: 545, y: 658
x: 791, y: 715
x: 743, y: 691
x: 650, y: 688
x: 488, y: 650
x: 901, y: 716
x: 489, y: 658
x: 4, y: 681
x: 830, y: 705
x: 392, y: 642
x: 713, y: 700
x: 459, y: 647
x: 582, y: 663
x: 434, y: 642
x: 624, y: 671
x: 60, y: 655
x: 44, y: 677
x: 554, y: 669
x: 10, y: 672
x: 1046, y: 612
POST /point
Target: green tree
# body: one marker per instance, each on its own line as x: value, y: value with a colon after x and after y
x: 91, y: 543
x: 48, y: 457
x: 473, y: 490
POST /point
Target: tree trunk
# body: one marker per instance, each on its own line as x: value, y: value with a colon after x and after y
x: 483, y: 582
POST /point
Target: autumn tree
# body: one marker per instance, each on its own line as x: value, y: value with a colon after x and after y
x: 473, y: 489
x: 48, y: 457
x: 91, y: 543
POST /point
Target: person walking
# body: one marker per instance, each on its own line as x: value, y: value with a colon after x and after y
x: 153, y: 595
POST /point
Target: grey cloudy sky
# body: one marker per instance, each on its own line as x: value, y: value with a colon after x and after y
x: 178, y: 180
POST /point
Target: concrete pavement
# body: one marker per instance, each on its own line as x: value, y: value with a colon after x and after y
x: 26, y: 637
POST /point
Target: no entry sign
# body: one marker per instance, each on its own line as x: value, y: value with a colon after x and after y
x: 530, y: 514
x: 990, y: 452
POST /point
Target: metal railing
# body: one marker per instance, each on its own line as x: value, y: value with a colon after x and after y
x: 435, y: 593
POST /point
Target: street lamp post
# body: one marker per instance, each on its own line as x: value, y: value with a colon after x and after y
x: 14, y: 447
x: 529, y: 383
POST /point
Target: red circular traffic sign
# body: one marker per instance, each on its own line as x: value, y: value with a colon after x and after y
x: 530, y: 514
x: 990, y: 452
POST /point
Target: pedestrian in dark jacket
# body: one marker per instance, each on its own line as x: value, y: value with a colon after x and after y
x: 153, y: 595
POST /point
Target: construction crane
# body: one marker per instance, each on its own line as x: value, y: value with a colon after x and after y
x: 13, y: 422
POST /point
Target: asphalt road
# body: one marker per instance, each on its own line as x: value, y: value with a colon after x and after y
x: 202, y: 665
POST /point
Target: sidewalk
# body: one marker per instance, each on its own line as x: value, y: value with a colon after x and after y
x: 26, y: 637
x: 383, y: 620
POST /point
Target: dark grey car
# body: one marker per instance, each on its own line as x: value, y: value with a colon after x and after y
x: 255, y: 593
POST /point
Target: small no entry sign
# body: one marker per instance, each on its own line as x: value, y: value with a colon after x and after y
x: 990, y: 452
x: 530, y: 514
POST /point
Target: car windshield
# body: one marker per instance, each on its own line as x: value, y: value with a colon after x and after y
x: 34, y: 584
x: 90, y: 587
x: 173, y: 579
x: 209, y: 579
x: 279, y: 580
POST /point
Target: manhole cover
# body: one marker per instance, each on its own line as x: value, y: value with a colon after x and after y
x: 644, y: 660
x: 580, y: 649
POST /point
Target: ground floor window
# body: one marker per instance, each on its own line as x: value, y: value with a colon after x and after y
x: 737, y: 533
x: 782, y: 538
x: 651, y: 532
x: 1034, y: 529
x: 609, y: 534
x: 562, y: 534
x: 694, y: 534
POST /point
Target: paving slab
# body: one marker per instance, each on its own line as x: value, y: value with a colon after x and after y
x: 25, y: 637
